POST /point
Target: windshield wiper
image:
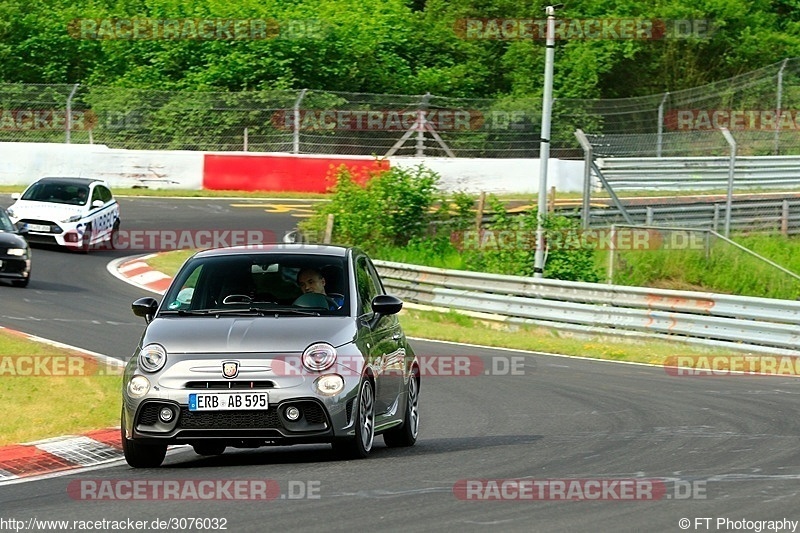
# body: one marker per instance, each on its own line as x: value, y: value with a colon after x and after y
x: 184, y: 312
x: 292, y: 311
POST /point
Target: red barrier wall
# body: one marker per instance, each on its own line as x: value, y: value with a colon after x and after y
x: 243, y: 172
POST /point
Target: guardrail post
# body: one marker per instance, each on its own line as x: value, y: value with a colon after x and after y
x: 649, y: 215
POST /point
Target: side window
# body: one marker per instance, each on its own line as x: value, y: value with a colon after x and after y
x: 96, y: 195
x: 367, y: 289
x: 184, y: 298
x: 105, y: 194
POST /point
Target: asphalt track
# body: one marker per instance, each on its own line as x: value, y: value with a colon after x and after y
x: 733, y: 440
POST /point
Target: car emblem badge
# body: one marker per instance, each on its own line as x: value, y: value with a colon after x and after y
x: 230, y: 369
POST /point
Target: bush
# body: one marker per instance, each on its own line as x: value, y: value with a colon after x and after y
x: 391, y: 209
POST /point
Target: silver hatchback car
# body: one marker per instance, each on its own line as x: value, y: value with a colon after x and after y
x: 270, y: 345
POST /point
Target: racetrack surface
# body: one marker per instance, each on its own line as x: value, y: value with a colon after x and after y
x: 733, y: 439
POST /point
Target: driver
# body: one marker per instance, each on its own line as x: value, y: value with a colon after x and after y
x: 311, y: 280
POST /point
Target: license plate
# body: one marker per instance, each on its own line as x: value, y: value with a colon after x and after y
x: 228, y: 401
x: 38, y: 227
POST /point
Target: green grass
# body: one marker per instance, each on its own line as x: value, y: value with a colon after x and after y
x: 726, y: 270
x: 40, y: 406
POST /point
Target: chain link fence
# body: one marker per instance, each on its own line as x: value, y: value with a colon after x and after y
x: 306, y: 121
x: 762, y: 104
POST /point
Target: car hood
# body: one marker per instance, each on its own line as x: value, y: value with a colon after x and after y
x: 12, y: 240
x: 285, y: 334
x: 45, y: 210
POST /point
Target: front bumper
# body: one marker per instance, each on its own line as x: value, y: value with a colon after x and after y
x: 323, y: 418
x: 15, y: 267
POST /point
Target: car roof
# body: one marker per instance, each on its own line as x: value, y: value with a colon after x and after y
x: 71, y: 181
x: 299, y: 249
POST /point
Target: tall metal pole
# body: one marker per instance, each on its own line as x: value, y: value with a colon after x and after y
x: 544, y: 145
x: 296, y: 132
x: 779, y: 97
x: 660, y: 141
x: 68, y: 121
x: 731, y: 171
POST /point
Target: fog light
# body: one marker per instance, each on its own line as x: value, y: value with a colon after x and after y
x: 292, y: 413
x: 166, y: 414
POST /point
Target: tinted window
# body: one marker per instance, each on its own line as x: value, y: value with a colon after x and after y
x: 57, y: 192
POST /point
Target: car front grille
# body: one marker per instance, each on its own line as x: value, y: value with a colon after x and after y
x: 230, y: 385
x: 229, y: 419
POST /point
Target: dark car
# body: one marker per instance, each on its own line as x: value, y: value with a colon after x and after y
x: 270, y: 345
x: 15, y: 254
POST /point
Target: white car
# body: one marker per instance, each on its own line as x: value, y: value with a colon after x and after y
x: 79, y: 213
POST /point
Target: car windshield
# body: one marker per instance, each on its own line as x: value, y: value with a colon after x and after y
x: 5, y: 223
x: 57, y: 192
x: 260, y: 283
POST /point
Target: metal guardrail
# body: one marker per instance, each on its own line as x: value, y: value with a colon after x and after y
x: 746, y: 215
x: 642, y: 173
x: 760, y: 324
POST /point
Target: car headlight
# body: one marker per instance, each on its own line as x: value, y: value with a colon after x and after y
x: 329, y: 384
x: 16, y: 251
x: 73, y: 218
x: 319, y: 357
x: 152, y: 358
x: 138, y: 386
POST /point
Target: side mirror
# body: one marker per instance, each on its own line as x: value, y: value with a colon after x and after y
x: 384, y: 305
x: 145, y: 307
x: 97, y: 203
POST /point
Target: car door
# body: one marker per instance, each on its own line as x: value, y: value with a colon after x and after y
x: 385, y: 354
x: 102, y: 218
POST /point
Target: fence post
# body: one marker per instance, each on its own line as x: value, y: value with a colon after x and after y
x: 785, y: 218
x: 587, y: 177
x: 776, y: 149
x: 660, y: 138
x: 68, y: 122
x: 731, y: 170
x: 479, y: 212
x: 296, y: 136
x: 244, y: 140
x: 612, y: 251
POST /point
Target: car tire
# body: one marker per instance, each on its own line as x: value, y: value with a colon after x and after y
x: 358, y: 447
x: 113, y: 242
x: 209, y: 448
x: 406, y: 435
x: 86, y: 239
x: 140, y: 455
